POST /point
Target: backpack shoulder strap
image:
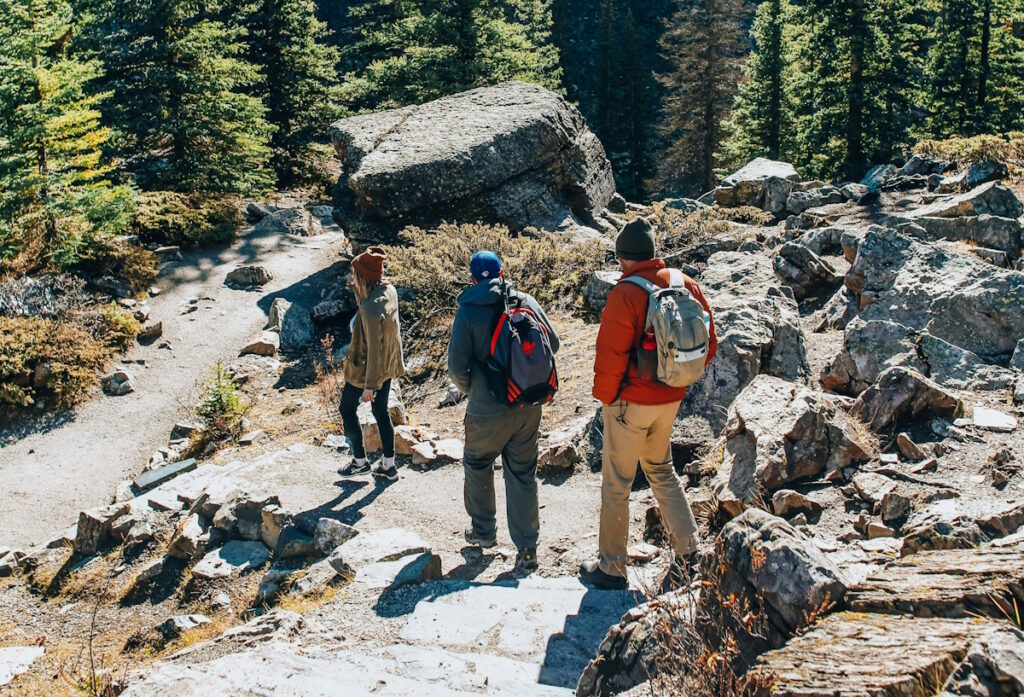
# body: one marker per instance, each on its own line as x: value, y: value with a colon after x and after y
x: 642, y: 282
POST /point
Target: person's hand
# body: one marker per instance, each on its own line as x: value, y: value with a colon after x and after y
x: 367, y: 395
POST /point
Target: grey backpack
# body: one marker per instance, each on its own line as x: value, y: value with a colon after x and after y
x: 674, y: 347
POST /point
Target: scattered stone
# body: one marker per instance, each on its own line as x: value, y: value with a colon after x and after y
x: 234, y: 558
x: 188, y: 542
x: 94, y: 525
x: 290, y: 221
x: 247, y: 276
x: 150, y: 571
x: 407, y: 570
x: 910, y: 449
x: 595, y: 294
x: 779, y: 433
x: 992, y: 420
x: 566, y: 447
x: 332, y: 533
x: 150, y: 332
x: 240, y: 514
x: 266, y: 345
x: 252, y: 437
x: 872, y: 487
x: 118, y: 383
x: 877, y: 176
x: 876, y: 530
x: 174, y: 627
x: 423, y: 454
x: 389, y: 544
x: 292, y: 543
x: 889, y: 458
x: 317, y: 578
x: 293, y: 323
x: 901, y: 395
x: 642, y: 553
x: 929, y: 465
x: 786, y: 502
x: 158, y: 476
x: 273, y: 519
x: 451, y: 396
x: 799, y: 201
x: 895, y: 508
x: 407, y: 436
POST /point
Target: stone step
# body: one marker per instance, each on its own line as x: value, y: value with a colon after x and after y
x: 946, y: 583
x: 852, y: 654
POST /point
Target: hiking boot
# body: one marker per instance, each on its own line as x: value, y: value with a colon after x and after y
x: 591, y: 573
x: 383, y: 471
x: 354, y: 468
x: 472, y: 539
x: 528, y: 558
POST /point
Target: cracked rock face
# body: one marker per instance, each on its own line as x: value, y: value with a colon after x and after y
x: 512, y: 153
x: 779, y: 433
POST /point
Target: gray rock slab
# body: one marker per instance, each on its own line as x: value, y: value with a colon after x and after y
x: 156, y: 477
x: 235, y: 557
x: 381, y: 546
x: 410, y: 569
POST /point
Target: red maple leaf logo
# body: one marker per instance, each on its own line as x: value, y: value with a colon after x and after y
x: 528, y: 348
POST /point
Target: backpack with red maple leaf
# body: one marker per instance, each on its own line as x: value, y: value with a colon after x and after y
x: 520, y: 367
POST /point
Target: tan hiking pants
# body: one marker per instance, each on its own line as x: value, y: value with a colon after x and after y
x: 632, y: 433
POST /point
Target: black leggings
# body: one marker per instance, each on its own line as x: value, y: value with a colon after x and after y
x: 351, y: 395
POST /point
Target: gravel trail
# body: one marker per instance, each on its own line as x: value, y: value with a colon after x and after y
x: 50, y: 472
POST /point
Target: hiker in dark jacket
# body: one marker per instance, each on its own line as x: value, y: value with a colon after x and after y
x: 493, y: 428
x: 374, y: 360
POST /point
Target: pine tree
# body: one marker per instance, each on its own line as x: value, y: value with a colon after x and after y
x: 181, y: 104
x: 55, y: 188
x: 299, y: 84
x: 406, y: 52
x: 704, y: 48
x: 762, y: 121
x: 976, y: 68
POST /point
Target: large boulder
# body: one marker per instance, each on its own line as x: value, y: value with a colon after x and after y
x: 290, y: 221
x: 991, y: 231
x: 958, y: 298
x: 512, y: 153
x: 977, y: 173
x: 799, y: 201
x: 293, y: 323
x: 758, y: 332
x: 779, y: 433
x: 745, y: 187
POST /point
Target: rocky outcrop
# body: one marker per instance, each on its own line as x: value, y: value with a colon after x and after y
x: 758, y: 332
x: 293, y: 323
x: 954, y: 297
x: 513, y: 153
x: 992, y: 198
x: 290, y: 221
x: 779, y: 433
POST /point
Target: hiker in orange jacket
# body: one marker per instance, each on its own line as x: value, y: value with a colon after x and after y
x: 638, y: 413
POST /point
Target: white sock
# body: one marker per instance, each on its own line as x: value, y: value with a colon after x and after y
x: 359, y: 461
x: 389, y: 462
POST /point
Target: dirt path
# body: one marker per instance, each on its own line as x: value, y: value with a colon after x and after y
x: 50, y: 473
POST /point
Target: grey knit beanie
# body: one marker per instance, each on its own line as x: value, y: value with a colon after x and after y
x: 636, y: 241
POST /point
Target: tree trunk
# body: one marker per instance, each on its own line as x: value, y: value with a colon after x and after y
x: 773, y: 53
x: 855, y: 94
x: 983, y: 64
x: 43, y: 165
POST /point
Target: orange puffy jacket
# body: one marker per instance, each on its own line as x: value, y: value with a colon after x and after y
x: 622, y: 326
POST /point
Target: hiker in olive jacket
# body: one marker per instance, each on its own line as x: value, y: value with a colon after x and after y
x: 374, y: 360
x: 492, y: 428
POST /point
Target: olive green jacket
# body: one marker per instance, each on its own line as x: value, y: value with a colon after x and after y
x: 375, y: 354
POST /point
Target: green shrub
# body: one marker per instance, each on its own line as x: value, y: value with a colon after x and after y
x: 435, y: 265
x: 220, y: 405
x: 748, y: 215
x: 46, y: 358
x: 676, y: 228
x: 123, y: 260
x: 1008, y: 149
x: 166, y: 217
x: 118, y: 329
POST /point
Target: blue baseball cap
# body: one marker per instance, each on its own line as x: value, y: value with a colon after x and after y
x: 485, y: 265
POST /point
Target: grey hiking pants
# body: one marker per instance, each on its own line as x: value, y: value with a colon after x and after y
x: 514, y: 437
